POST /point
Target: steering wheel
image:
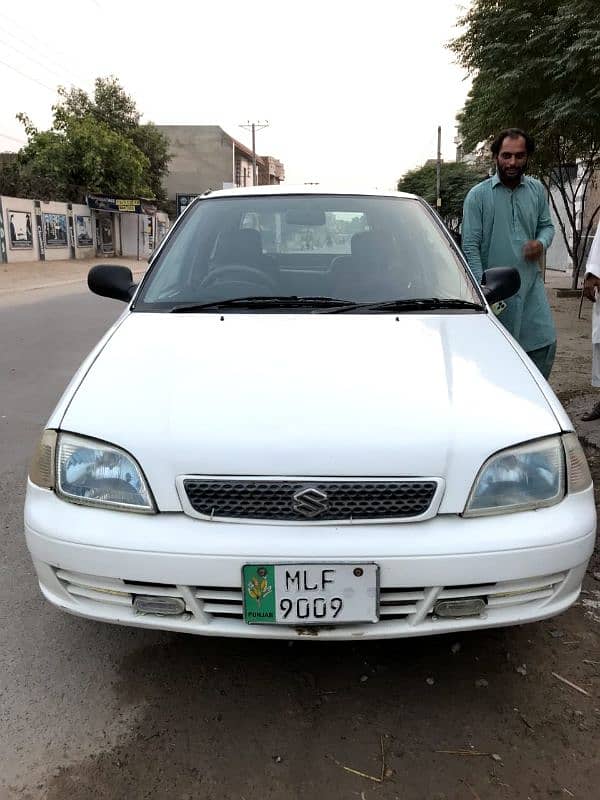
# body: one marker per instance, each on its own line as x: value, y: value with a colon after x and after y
x: 238, y: 273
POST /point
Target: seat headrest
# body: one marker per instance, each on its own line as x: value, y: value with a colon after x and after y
x: 372, y: 246
x: 238, y: 247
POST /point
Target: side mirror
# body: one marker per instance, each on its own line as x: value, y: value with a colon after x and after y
x: 498, y: 283
x: 111, y: 280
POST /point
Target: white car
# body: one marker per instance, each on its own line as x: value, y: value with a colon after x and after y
x: 308, y: 422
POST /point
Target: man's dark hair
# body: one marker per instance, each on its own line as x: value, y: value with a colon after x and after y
x: 512, y: 133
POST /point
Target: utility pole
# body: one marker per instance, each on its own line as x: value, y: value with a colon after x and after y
x: 438, y: 169
x: 254, y: 126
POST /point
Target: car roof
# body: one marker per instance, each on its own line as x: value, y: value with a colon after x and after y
x: 303, y: 189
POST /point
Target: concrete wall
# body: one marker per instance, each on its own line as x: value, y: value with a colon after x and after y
x: 591, y: 204
x: 162, y: 226
x: 129, y: 235
x: 243, y: 171
x: 147, y: 225
x: 52, y: 250
x: 23, y: 252
x: 270, y: 171
x: 557, y: 256
x: 202, y: 158
x: 80, y: 239
x: 150, y: 230
x: 83, y: 231
x: 592, y: 201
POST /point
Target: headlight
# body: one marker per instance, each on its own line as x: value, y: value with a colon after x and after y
x: 519, y: 479
x: 91, y: 473
x: 98, y: 474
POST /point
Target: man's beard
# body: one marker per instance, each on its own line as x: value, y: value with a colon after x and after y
x: 513, y: 176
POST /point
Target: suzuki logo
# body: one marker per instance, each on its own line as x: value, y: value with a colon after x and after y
x: 310, y: 502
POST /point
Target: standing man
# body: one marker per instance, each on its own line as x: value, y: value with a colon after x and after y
x: 591, y: 288
x: 506, y: 223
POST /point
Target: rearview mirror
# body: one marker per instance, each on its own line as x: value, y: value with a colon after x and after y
x: 112, y: 280
x: 498, y: 283
x: 305, y: 216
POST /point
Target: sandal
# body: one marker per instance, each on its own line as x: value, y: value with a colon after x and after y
x: 593, y: 413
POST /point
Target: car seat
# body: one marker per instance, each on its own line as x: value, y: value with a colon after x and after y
x: 367, y: 274
x: 242, y: 247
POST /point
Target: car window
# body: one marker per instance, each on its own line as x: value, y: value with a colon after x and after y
x: 351, y: 247
x: 333, y: 236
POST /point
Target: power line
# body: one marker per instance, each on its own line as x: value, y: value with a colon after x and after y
x: 35, y: 80
x: 65, y: 71
x: 12, y: 138
x: 93, y: 111
x: 34, y: 60
x: 41, y: 43
x: 35, y: 47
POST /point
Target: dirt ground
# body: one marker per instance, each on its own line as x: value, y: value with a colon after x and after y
x: 481, y: 716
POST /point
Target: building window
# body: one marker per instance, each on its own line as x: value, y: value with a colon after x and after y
x: 238, y: 177
x: 245, y: 176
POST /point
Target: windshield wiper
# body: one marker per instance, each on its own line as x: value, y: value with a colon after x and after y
x: 266, y: 301
x: 412, y: 304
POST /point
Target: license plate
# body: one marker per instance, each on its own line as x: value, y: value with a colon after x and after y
x: 310, y: 594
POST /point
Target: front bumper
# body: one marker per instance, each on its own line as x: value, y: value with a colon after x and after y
x: 92, y: 563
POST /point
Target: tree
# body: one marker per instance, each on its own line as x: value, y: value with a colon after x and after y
x: 456, y: 178
x: 96, y: 146
x: 110, y: 105
x: 536, y: 65
x: 155, y: 146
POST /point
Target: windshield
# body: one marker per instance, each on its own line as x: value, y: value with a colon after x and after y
x: 284, y: 250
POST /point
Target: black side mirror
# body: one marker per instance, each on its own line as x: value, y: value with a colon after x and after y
x: 111, y: 280
x: 498, y: 283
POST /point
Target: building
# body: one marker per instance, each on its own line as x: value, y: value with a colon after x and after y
x: 47, y: 230
x: 270, y: 171
x: 206, y: 157
x: 7, y: 158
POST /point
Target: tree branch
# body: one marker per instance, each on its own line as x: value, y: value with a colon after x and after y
x: 548, y: 186
x: 560, y: 185
x: 591, y: 223
x: 590, y: 165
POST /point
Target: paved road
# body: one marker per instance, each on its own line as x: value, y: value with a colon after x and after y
x: 51, y: 681
x: 94, y: 711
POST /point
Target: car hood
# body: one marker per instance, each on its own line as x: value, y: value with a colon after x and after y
x: 310, y: 395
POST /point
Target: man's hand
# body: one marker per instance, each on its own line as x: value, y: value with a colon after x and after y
x: 533, y: 250
x: 590, y: 284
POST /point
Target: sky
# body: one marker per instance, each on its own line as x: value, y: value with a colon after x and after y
x: 353, y: 91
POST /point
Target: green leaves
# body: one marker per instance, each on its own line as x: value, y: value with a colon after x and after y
x: 536, y: 66
x: 455, y: 181
x: 96, y: 146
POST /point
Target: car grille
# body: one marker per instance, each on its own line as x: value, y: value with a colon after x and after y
x: 299, y: 500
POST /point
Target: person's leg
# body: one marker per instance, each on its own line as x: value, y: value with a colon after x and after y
x: 543, y: 358
x: 594, y: 412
